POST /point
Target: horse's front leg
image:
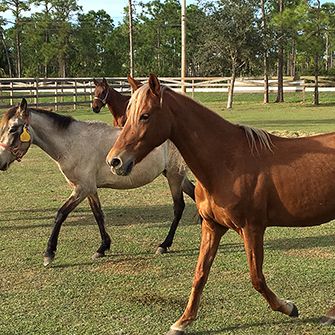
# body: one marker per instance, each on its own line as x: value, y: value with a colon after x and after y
x: 253, y: 237
x: 99, y: 217
x: 71, y: 203
x: 211, y: 234
x: 329, y: 318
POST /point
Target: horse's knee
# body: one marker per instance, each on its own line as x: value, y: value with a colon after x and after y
x: 199, y: 279
x: 258, y: 284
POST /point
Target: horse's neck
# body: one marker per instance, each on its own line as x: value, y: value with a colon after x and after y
x: 117, y: 104
x: 47, y: 136
x: 205, y: 140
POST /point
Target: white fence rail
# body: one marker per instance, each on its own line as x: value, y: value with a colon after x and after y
x: 56, y: 92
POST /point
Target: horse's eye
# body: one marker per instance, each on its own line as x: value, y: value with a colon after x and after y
x: 13, y: 129
x: 144, y: 117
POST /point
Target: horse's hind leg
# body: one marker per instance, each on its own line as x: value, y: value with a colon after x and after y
x: 99, y: 217
x: 71, y: 203
x: 175, y: 181
x: 188, y: 188
x: 253, y: 236
x: 329, y: 318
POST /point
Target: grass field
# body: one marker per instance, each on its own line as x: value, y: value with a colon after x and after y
x: 134, y: 292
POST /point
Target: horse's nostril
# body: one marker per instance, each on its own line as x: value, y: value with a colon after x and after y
x: 115, y: 162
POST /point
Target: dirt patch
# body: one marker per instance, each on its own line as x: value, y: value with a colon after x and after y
x: 312, y: 253
x: 127, y: 266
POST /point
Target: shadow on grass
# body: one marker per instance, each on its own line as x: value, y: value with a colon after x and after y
x: 159, y: 215
x: 69, y: 265
x: 290, y: 123
x: 301, y: 242
x: 247, y: 326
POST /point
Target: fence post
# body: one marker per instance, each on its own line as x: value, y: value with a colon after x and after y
x: 91, y: 95
x: 75, y: 95
x: 192, y: 88
x: 304, y: 92
x: 11, y: 93
x: 36, y: 92
x: 56, y: 95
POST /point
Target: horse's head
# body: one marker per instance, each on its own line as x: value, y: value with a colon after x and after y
x: 101, y: 92
x: 148, y: 125
x: 15, y: 137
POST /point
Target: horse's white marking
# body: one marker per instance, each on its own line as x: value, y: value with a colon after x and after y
x: 178, y: 328
x: 288, y: 306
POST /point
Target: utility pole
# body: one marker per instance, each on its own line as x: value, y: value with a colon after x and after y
x: 131, y: 46
x: 183, y: 45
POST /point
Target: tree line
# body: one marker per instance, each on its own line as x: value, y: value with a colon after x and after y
x: 224, y: 38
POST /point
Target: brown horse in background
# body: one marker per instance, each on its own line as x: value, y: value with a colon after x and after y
x: 248, y: 180
x: 115, y: 101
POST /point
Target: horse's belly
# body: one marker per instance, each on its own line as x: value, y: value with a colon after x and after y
x: 303, y: 197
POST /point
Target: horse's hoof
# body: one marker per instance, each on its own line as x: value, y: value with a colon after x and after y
x: 295, y: 312
x: 98, y: 255
x: 47, y: 260
x: 327, y: 321
x: 161, y: 251
x: 175, y: 332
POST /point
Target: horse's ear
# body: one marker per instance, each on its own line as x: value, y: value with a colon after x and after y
x: 24, y: 113
x: 135, y: 84
x: 155, y: 86
x: 104, y: 81
x: 95, y: 82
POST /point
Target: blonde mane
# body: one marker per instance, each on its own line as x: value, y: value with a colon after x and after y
x: 136, y: 100
x: 257, y: 138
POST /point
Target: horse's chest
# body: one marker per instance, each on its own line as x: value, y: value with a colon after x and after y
x: 213, y: 209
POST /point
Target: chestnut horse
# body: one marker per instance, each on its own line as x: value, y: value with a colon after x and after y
x: 115, y: 101
x: 248, y: 179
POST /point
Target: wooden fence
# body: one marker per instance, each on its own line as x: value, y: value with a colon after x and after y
x: 56, y: 92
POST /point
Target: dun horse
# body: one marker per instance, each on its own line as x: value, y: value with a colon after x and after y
x: 247, y: 180
x: 80, y: 149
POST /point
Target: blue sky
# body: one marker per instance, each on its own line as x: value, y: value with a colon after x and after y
x: 113, y: 7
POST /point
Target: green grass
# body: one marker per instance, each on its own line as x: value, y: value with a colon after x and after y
x: 134, y: 292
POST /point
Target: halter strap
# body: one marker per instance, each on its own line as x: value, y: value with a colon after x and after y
x: 17, y: 151
x: 104, y: 100
x: 6, y: 146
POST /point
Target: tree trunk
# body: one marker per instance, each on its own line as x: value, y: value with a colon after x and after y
x: 61, y: 66
x: 231, y: 86
x: 280, y: 92
x: 18, y: 48
x: 294, y: 73
x: 6, y: 53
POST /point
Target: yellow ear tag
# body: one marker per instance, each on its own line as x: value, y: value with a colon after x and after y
x: 25, y: 136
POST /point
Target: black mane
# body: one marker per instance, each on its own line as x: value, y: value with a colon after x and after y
x: 61, y: 121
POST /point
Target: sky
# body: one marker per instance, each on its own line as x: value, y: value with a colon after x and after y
x: 113, y: 7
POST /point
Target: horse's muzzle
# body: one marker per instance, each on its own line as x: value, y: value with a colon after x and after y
x: 4, y: 167
x: 120, y: 167
x: 96, y: 109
